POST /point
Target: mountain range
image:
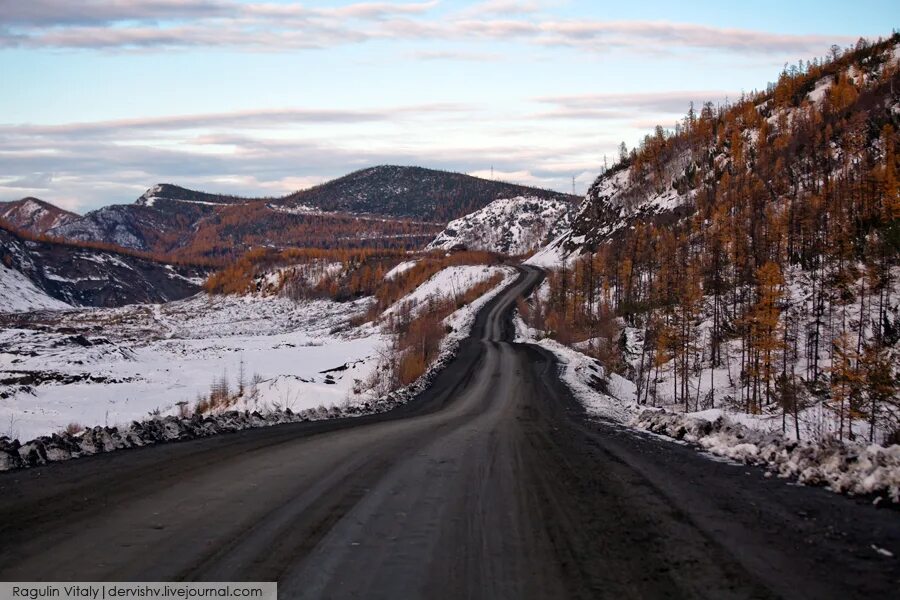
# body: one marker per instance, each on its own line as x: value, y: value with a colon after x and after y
x: 384, y: 206
x: 124, y: 253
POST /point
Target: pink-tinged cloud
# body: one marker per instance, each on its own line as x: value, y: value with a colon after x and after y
x: 168, y: 24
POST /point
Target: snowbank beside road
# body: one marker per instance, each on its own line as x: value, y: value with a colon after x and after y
x: 843, y: 467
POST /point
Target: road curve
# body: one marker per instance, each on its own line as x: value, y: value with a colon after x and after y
x: 492, y: 484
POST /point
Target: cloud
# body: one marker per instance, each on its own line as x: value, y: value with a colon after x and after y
x: 32, y: 181
x: 84, y: 12
x: 598, y: 34
x: 66, y: 12
x: 92, y: 171
x: 502, y: 7
x: 378, y: 10
x: 520, y: 177
x: 171, y: 24
x: 627, y: 106
x: 248, y: 119
x: 454, y: 55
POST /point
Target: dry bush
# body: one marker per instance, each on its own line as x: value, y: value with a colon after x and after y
x: 73, y: 428
x: 220, y: 397
x: 419, y: 336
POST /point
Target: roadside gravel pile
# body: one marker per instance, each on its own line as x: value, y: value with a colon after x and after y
x: 843, y: 467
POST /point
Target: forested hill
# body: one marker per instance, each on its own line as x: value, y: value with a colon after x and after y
x: 415, y: 192
x: 752, y: 253
x: 387, y: 206
x: 821, y: 132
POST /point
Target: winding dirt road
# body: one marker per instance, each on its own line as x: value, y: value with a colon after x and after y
x: 492, y: 484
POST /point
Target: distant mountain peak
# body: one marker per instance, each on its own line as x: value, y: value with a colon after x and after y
x: 35, y: 215
x: 172, y: 192
x: 149, y: 197
x: 413, y: 192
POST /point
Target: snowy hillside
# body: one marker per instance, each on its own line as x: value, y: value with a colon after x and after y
x: 718, y: 273
x: 661, y: 181
x: 508, y: 226
x: 80, y: 276
x: 19, y: 294
x: 447, y: 283
x: 612, y: 205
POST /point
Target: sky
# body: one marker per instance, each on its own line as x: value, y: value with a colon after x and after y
x: 100, y: 100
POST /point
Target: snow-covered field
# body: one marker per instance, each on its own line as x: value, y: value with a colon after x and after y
x: 145, y: 359
x: 113, y: 366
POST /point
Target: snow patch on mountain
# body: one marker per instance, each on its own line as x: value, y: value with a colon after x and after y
x: 19, y: 294
x: 149, y: 197
x: 35, y: 215
x: 400, y: 269
x: 111, y: 224
x: 508, y: 226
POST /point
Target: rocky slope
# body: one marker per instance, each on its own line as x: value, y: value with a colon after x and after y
x: 158, y: 221
x: 36, y: 271
x: 507, y: 226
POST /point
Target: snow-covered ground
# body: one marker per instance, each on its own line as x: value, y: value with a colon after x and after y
x: 400, y: 269
x: 113, y: 366
x: 553, y: 255
x: 719, y: 391
x: 142, y: 359
x: 507, y: 225
x: 451, y: 282
x: 19, y: 294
